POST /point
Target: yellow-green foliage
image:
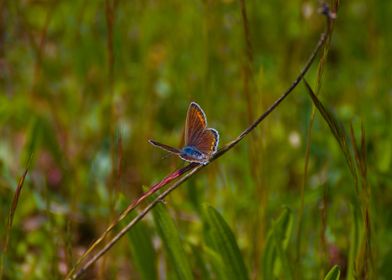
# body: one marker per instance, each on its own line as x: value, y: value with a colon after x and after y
x: 85, y: 84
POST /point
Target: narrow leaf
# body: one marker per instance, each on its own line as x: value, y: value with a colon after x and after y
x: 143, y: 251
x: 11, y: 214
x: 224, y: 243
x: 283, y: 227
x: 354, y: 241
x: 172, y: 243
x: 333, y: 274
x: 336, y: 128
x: 216, y: 263
x: 201, y: 263
x: 282, y: 231
x: 275, y: 260
x: 267, y: 268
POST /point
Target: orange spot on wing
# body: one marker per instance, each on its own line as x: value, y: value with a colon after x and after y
x: 201, y: 117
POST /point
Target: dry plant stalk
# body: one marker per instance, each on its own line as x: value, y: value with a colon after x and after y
x: 189, y: 170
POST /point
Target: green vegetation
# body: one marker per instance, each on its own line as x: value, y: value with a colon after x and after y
x: 307, y: 194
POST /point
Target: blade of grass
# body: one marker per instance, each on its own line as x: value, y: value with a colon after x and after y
x: 282, y: 233
x: 338, y: 131
x: 172, y: 243
x: 276, y: 245
x: 217, y: 264
x: 333, y: 274
x: 201, y: 264
x: 143, y: 252
x: 355, y: 155
x: 364, y: 260
x: 11, y: 214
x: 354, y: 242
x: 336, y: 128
x: 268, y: 260
x: 224, y: 243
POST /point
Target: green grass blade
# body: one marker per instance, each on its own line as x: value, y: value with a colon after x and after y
x: 11, y: 214
x: 336, y: 128
x: 202, y: 264
x: 172, y: 243
x: 275, y: 260
x: 217, y: 265
x: 224, y: 243
x: 283, y: 227
x: 143, y: 251
x: 267, y: 268
x: 355, y: 155
x: 282, y: 233
x: 333, y: 274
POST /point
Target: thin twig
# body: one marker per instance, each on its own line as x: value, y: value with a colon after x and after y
x: 153, y: 189
x: 135, y: 220
x: 276, y: 103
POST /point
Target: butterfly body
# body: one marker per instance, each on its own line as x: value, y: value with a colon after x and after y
x: 190, y: 153
x: 200, y: 142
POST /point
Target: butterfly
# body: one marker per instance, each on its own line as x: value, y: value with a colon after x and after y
x: 201, y: 142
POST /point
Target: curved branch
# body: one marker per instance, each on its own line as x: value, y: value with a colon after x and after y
x: 192, y: 168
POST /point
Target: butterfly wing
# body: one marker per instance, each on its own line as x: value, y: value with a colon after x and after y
x: 165, y: 147
x: 195, y: 124
x: 190, y: 158
x: 200, y: 142
x: 207, y: 142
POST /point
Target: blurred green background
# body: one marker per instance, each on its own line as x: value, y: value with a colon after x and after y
x: 85, y: 84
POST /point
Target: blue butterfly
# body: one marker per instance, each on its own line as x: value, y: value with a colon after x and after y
x: 201, y: 142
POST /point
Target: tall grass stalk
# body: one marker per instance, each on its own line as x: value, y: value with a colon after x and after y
x: 320, y: 72
x: 360, y: 259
